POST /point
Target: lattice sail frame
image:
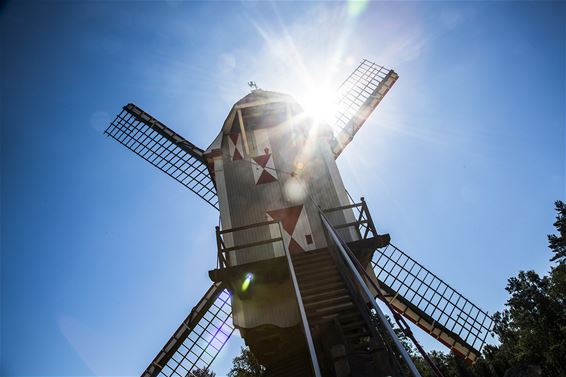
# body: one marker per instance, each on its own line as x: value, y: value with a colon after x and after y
x: 357, y: 97
x: 165, y: 149
x: 199, y: 339
x: 430, y: 303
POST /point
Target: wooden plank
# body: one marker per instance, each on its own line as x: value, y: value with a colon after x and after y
x: 243, y: 131
x: 258, y: 243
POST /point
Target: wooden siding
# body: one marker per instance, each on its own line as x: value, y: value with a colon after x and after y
x: 295, y: 147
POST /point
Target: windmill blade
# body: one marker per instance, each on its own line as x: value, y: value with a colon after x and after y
x: 357, y: 97
x: 165, y: 149
x: 199, y: 339
x: 430, y: 303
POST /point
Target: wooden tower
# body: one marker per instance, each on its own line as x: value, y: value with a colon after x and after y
x: 275, y: 169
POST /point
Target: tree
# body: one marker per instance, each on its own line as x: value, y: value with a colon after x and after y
x: 557, y: 242
x: 246, y: 365
x: 532, y: 329
x: 202, y: 372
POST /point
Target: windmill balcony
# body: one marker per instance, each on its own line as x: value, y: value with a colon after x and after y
x: 257, y: 251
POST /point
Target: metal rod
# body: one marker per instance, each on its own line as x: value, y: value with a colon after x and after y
x: 371, y: 299
x: 304, y: 320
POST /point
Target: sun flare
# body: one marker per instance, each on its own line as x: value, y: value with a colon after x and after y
x: 319, y: 103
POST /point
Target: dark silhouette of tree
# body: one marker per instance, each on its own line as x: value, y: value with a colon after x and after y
x: 532, y: 329
x: 557, y: 242
x: 202, y: 372
x: 246, y: 365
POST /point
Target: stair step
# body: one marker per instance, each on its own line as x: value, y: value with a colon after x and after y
x: 306, y: 259
x: 316, y: 275
x: 353, y: 325
x: 311, y: 254
x: 361, y: 347
x: 331, y: 309
x: 320, y: 282
x: 356, y: 332
x: 310, y: 265
x: 325, y: 294
x: 348, y: 318
x: 303, y: 269
x: 322, y: 288
x: 306, y: 281
x: 327, y: 302
x: 313, y: 320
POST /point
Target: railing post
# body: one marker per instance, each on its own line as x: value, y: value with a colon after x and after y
x: 220, y: 262
x: 371, y: 225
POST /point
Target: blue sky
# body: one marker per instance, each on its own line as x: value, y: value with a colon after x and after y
x: 102, y: 255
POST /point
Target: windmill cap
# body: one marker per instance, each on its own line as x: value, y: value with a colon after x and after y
x: 260, y: 95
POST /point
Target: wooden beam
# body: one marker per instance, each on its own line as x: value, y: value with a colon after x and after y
x: 243, y: 131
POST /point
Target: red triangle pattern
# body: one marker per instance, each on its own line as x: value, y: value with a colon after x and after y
x: 234, y: 137
x: 265, y: 177
x: 288, y: 217
x: 237, y: 155
x: 262, y: 160
x: 294, y: 247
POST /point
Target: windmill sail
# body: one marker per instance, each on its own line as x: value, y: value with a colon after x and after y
x: 357, y: 97
x: 164, y: 149
x: 430, y: 303
x: 199, y: 339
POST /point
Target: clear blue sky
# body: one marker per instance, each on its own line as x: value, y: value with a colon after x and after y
x: 102, y: 255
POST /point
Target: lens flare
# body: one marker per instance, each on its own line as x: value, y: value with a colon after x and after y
x: 357, y: 7
x: 247, y: 281
x: 294, y: 190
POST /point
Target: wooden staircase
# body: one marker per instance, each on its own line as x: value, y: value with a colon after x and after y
x: 328, y: 302
x: 345, y: 345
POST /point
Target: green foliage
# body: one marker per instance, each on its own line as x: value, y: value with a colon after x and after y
x: 202, y: 372
x: 532, y: 329
x: 448, y: 364
x: 246, y: 365
x: 557, y: 242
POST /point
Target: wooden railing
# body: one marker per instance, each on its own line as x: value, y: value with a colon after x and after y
x: 363, y: 223
x: 223, y: 249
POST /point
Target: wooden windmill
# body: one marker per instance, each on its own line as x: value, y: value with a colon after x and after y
x: 300, y: 264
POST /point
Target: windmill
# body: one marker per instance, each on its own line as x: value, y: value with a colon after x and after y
x: 299, y: 262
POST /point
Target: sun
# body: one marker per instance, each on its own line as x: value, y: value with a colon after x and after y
x: 319, y: 103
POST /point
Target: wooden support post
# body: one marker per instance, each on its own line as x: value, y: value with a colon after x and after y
x: 221, y: 260
x: 243, y: 131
